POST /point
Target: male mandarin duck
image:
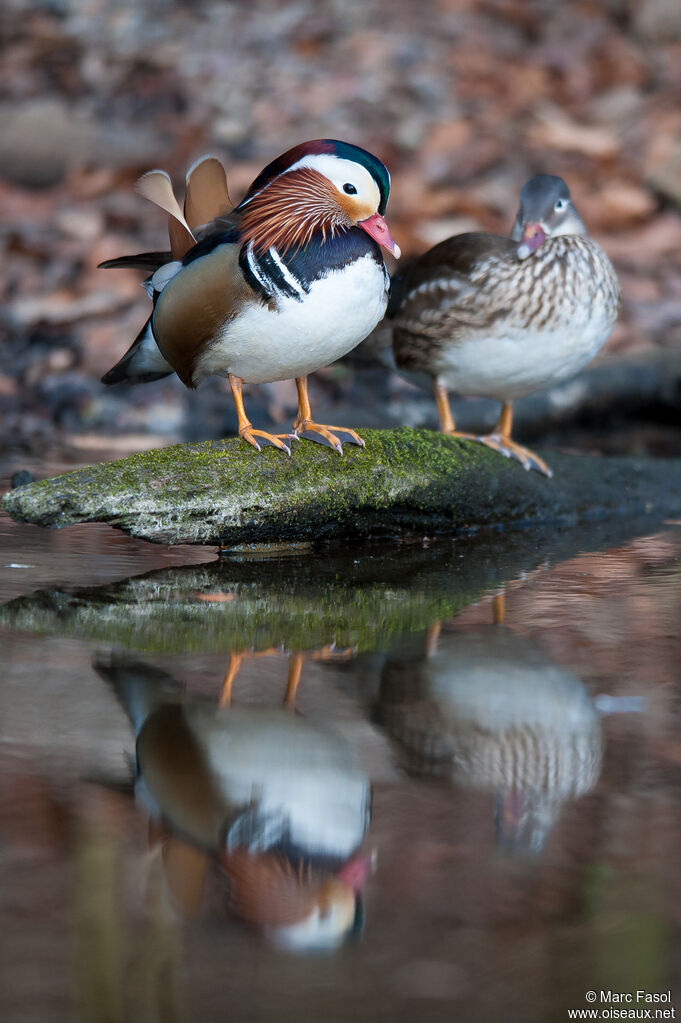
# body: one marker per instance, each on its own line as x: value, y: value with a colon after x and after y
x: 283, y: 284
x: 278, y: 800
x: 498, y: 317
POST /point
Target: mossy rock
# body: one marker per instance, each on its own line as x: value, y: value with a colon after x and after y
x: 403, y: 481
x: 364, y: 596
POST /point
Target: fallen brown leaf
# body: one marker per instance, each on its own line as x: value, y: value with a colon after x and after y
x: 555, y: 130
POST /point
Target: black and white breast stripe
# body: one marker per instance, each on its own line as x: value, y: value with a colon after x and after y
x: 269, y: 276
x: 272, y: 275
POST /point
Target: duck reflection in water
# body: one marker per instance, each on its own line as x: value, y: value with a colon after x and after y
x: 276, y: 799
x: 486, y: 709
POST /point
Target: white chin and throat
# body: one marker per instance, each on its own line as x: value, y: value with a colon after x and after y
x: 572, y: 225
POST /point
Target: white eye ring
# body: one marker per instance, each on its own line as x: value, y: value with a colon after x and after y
x: 560, y: 205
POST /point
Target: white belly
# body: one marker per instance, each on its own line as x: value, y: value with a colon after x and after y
x: 518, y: 362
x: 262, y: 344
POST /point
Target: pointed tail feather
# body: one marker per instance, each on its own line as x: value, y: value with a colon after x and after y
x: 142, y: 362
x: 139, y: 261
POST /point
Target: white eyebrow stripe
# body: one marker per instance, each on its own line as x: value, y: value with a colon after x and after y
x: 322, y: 162
x: 338, y: 169
x: 290, y: 279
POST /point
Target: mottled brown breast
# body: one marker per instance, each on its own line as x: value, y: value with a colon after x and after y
x: 434, y: 302
x: 196, y: 304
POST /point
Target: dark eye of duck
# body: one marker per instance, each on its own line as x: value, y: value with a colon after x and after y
x: 349, y: 188
x: 561, y: 205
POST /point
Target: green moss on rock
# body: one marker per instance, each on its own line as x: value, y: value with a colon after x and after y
x: 224, y: 492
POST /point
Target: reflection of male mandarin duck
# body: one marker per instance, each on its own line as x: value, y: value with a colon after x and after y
x: 287, y: 282
x: 487, y: 709
x: 278, y: 799
x: 499, y: 318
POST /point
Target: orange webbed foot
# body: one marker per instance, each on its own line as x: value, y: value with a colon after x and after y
x: 509, y: 449
x: 277, y: 440
x: 328, y: 433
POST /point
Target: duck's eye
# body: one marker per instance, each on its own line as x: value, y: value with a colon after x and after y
x: 561, y: 205
x: 349, y: 188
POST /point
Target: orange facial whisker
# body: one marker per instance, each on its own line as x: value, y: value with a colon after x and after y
x: 291, y: 209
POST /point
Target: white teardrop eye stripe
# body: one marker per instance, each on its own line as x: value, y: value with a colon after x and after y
x: 340, y: 171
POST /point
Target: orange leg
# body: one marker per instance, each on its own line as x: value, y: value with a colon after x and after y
x: 295, y: 666
x: 432, y: 636
x: 499, y: 608
x: 246, y: 430
x: 236, y: 659
x: 303, y: 423
x: 500, y: 440
x: 329, y: 653
x: 447, y: 424
x: 235, y: 662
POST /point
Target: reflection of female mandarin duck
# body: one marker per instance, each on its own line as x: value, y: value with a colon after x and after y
x: 488, y: 710
x: 277, y: 798
x: 499, y: 318
x: 287, y: 282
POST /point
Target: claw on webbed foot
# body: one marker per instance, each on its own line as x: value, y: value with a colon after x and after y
x: 328, y: 433
x: 509, y: 449
x: 275, y: 439
x: 304, y: 424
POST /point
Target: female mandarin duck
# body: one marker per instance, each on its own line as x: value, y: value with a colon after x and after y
x: 499, y: 318
x: 287, y: 282
x: 486, y: 709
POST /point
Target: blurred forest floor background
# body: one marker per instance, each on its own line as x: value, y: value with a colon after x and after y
x: 462, y: 99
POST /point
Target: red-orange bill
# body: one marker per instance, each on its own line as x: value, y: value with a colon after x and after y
x: 378, y: 229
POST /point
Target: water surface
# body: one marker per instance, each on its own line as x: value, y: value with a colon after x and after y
x: 506, y: 706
